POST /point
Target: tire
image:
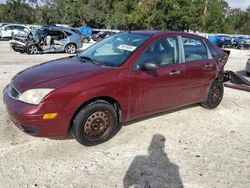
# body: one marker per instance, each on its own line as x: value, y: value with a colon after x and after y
x: 248, y: 73
x: 95, y: 123
x: 215, y: 95
x: 70, y: 48
x: 85, y: 40
x: 15, y: 49
x: 32, y: 49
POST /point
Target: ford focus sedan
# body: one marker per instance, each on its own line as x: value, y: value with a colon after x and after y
x: 121, y: 78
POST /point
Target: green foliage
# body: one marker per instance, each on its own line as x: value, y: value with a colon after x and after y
x: 215, y: 18
x: 17, y: 11
x: 182, y: 15
x: 238, y: 22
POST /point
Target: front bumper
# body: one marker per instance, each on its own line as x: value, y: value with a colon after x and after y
x: 29, y: 118
x: 17, y: 46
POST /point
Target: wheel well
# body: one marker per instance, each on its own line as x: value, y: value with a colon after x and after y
x: 71, y: 43
x: 104, y: 99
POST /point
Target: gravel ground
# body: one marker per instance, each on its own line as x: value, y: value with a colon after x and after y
x: 191, y: 147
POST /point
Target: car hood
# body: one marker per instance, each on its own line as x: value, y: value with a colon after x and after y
x: 55, y: 74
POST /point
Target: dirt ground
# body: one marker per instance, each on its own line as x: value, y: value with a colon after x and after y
x: 191, y: 147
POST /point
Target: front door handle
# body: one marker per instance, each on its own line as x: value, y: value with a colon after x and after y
x: 209, y: 65
x: 174, y: 72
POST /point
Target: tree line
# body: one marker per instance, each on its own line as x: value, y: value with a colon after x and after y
x: 213, y: 16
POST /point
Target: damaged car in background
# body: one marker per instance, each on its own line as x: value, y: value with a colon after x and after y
x: 48, y: 39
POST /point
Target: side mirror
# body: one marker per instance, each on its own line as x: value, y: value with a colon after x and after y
x: 149, y: 66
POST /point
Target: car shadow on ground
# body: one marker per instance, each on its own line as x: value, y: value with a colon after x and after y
x: 153, y: 169
x: 4, y: 39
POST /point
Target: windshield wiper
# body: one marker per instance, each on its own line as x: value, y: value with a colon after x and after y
x: 84, y: 58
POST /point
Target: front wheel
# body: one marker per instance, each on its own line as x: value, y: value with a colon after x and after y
x: 70, y: 48
x: 15, y: 49
x: 95, y: 124
x: 215, y: 95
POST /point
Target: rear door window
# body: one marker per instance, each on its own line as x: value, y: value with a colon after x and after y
x: 11, y: 27
x: 20, y: 28
x: 194, y: 49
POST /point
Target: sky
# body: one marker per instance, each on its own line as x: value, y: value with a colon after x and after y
x: 242, y: 4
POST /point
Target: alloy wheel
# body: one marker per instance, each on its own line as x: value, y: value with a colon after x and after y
x: 33, y: 49
x: 71, y: 48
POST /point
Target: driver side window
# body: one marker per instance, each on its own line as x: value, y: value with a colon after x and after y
x: 163, y: 52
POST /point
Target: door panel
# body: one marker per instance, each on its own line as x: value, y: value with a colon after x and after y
x: 158, y: 90
x: 200, y: 70
x: 163, y: 87
x: 199, y: 77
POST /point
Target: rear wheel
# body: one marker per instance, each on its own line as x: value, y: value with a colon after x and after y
x: 85, y: 40
x: 70, y: 48
x: 32, y: 49
x: 95, y: 124
x: 215, y: 95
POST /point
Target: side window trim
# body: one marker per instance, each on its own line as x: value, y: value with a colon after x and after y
x: 181, y: 50
x: 208, y: 50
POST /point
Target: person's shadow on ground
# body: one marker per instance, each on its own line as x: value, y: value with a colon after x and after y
x: 153, y: 170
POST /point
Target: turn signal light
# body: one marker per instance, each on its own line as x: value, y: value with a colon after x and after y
x: 50, y: 116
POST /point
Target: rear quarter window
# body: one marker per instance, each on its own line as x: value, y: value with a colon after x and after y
x: 213, y: 51
x: 68, y: 33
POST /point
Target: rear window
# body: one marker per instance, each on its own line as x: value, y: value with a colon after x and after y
x: 67, y: 33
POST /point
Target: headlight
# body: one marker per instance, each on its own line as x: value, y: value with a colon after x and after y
x: 34, y: 96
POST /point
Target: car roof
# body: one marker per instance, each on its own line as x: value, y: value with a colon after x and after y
x: 16, y: 25
x: 55, y: 27
x: 158, y: 33
x: 58, y: 28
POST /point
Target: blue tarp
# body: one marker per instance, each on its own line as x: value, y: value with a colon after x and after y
x: 86, y: 30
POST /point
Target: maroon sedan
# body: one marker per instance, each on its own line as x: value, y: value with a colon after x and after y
x: 126, y: 76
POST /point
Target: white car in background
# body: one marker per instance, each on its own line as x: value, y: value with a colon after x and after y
x: 13, y: 29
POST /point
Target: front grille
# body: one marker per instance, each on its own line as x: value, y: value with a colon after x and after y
x: 13, y: 92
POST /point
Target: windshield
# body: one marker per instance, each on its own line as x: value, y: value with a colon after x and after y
x: 114, y: 50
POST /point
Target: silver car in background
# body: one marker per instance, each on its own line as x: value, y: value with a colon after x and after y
x: 8, y: 30
x: 48, y: 39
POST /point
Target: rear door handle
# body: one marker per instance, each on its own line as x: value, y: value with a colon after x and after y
x: 209, y: 65
x: 174, y: 72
